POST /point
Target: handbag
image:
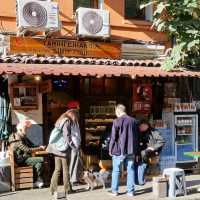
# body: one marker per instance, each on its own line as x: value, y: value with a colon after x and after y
x: 56, y: 139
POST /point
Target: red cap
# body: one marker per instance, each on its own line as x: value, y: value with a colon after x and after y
x: 73, y: 104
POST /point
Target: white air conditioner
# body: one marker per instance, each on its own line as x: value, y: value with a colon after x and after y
x: 92, y: 22
x: 37, y: 15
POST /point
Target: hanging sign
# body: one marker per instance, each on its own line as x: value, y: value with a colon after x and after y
x: 142, y: 98
x: 45, y: 86
x: 64, y: 47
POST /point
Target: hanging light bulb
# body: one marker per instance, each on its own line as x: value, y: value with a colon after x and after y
x: 37, y: 78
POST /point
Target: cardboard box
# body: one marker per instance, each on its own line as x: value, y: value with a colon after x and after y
x: 160, y: 187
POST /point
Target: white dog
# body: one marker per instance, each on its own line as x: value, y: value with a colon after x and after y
x: 96, y: 179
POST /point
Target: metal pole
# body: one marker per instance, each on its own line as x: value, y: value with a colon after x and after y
x: 101, y: 4
x: 149, y: 13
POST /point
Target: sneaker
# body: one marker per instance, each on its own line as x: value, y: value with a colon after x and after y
x: 113, y: 193
x: 39, y: 184
x: 59, y: 195
x: 130, y: 194
x: 55, y: 195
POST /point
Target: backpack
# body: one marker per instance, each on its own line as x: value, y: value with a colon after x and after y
x: 56, y: 137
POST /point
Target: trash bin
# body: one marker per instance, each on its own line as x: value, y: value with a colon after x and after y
x: 5, y: 175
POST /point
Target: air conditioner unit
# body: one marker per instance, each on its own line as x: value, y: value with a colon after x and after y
x: 36, y: 15
x: 92, y: 22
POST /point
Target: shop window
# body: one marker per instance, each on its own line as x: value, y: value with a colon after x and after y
x: 85, y: 3
x: 133, y: 11
x: 110, y: 86
x: 24, y: 96
x: 85, y: 86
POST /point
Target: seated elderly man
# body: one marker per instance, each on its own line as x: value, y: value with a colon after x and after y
x: 23, y: 149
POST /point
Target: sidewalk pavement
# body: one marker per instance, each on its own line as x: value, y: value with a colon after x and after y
x: 142, y: 193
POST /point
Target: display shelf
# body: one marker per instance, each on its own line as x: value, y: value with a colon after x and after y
x: 98, y: 113
x: 98, y: 122
x: 184, y: 134
x: 94, y: 130
x: 180, y: 125
x: 184, y: 144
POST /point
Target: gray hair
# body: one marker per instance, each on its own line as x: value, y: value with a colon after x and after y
x: 120, y: 108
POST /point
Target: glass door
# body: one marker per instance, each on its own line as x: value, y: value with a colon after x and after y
x: 185, y: 136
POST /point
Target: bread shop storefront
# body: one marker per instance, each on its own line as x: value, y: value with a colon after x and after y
x: 93, y: 78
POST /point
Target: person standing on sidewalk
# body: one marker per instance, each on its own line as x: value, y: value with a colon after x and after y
x: 123, y: 148
x: 65, y: 123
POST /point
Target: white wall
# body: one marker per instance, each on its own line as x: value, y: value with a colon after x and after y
x: 35, y: 133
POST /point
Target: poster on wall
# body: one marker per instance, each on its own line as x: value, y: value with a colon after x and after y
x: 168, y: 149
x: 142, y: 98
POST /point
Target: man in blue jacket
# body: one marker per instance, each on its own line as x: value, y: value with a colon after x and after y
x: 123, y: 147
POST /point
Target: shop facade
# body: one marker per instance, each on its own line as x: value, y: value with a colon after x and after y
x: 48, y: 74
x: 169, y: 100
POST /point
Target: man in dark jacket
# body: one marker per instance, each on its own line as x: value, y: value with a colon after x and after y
x: 150, y: 146
x: 123, y: 148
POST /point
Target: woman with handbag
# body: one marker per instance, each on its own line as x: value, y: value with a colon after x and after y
x: 60, y: 143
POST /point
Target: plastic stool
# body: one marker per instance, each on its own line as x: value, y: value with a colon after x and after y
x: 177, y: 185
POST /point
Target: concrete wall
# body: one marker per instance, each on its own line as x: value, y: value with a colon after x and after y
x: 120, y: 28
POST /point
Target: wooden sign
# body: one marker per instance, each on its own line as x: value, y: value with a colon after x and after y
x: 64, y: 47
x: 45, y: 86
x: 142, y: 98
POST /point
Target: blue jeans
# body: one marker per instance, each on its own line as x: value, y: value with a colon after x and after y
x: 117, y: 162
x: 140, y: 172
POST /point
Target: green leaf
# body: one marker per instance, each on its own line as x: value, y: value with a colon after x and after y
x: 180, y: 18
x: 192, y: 31
x: 168, y: 65
x: 193, y: 44
x: 160, y: 7
x: 161, y: 26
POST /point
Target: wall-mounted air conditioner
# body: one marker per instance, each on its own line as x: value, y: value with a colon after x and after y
x: 92, y: 22
x: 36, y: 15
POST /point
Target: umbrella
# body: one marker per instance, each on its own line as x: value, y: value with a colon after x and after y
x: 5, y: 125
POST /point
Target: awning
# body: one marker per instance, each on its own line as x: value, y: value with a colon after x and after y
x: 34, y: 65
x: 91, y: 70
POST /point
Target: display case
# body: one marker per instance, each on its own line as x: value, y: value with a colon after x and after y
x: 98, y: 124
x: 186, y: 135
x: 24, y: 96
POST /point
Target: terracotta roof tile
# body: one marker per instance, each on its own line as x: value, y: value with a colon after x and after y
x: 86, y: 61
x: 32, y: 65
x: 91, y: 70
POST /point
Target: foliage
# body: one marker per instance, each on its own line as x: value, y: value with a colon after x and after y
x: 181, y: 19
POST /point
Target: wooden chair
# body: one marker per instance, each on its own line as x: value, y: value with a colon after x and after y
x: 21, y: 177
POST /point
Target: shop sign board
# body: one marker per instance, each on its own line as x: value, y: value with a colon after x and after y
x: 185, y: 107
x: 45, y: 86
x: 64, y: 47
x: 142, y: 98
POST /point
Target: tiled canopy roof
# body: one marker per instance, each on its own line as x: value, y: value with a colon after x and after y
x: 33, y: 65
x: 84, y: 61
